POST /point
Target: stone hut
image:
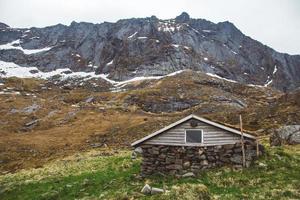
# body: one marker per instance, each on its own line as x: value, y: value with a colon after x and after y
x: 193, y: 144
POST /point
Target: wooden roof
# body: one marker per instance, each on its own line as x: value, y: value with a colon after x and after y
x: 186, y: 119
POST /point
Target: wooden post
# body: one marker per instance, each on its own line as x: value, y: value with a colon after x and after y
x: 257, y: 148
x: 242, y: 142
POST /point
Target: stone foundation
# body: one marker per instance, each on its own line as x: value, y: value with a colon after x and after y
x: 180, y: 160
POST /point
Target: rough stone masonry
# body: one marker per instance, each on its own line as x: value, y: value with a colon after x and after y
x: 178, y: 160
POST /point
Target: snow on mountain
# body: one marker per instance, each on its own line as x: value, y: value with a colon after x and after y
x: 219, y: 77
x: 16, y: 45
x: 275, y: 69
x: 131, y: 36
x: 151, y: 47
x: 9, y: 69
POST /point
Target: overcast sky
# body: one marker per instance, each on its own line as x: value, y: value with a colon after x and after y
x: 275, y: 23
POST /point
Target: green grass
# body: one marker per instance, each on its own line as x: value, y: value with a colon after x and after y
x: 91, y: 176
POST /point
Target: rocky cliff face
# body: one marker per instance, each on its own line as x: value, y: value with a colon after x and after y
x: 151, y: 47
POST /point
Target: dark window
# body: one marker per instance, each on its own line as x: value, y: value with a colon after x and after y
x: 193, y: 136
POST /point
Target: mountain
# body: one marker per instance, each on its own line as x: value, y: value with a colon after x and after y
x: 109, y: 84
x: 143, y: 47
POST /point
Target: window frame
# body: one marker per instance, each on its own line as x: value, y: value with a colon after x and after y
x: 196, y: 143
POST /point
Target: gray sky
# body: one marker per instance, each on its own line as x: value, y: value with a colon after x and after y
x: 275, y: 23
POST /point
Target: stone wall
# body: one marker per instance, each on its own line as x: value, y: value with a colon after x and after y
x: 180, y: 160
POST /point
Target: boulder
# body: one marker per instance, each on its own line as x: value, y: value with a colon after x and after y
x: 189, y: 174
x: 202, y: 157
x: 30, y: 109
x: 286, y: 135
x: 146, y: 189
x: 133, y: 155
x: 89, y: 100
x: 204, y: 162
x: 32, y: 123
x: 156, y: 190
x: 138, y: 150
x: 96, y: 145
x: 186, y: 164
x: 200, y: 152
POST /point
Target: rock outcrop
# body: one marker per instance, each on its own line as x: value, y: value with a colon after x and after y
x: 286, y: 135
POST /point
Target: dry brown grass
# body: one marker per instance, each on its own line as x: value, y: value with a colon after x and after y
x: 68, y: 124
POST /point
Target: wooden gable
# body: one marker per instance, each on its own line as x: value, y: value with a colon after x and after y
x: 174, y: 134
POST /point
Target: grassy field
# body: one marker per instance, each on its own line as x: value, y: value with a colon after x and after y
x: 108, y: 174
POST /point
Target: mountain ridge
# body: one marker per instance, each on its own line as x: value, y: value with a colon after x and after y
x: 150, y: 46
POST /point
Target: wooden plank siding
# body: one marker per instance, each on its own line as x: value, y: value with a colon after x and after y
x: 211, y: 136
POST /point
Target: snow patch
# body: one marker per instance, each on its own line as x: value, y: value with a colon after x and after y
x: 141, y: 78
x: 234, y: 52
x: 206, y: 31
x: 252, y: 85
x: 196, y: 31
x: 219, y: 77
x: 35, y: 37
x: 90, y: 64
x: 12, y: 45
x: 33, y: 51
x: 110, y: 63
x: 141, y: 38
x: 175, y: 45
x: 10, y: 69
x: 104, y: 76
x: 169, y: 26
x: 206, y: 59
x: 275, y: 69
x: 268, y: 82
x: 10, y: 92
x: 131, y: 36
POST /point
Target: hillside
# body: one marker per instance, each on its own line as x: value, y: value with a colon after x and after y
x: 42, y: 120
